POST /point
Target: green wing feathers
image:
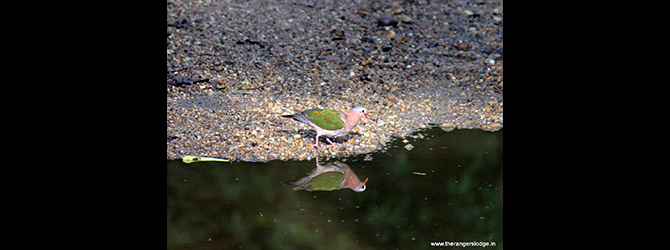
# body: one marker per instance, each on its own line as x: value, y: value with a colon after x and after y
x: 326, y: 118
x: 327, y: 181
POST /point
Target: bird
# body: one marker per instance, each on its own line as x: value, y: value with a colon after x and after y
x: 329, y: 122
x: 328, y: 177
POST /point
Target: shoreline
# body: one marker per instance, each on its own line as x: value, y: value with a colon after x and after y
x: 254, y: 130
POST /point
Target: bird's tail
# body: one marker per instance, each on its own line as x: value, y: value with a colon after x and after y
x: 292, y: 115
x: 300, y: 116
x: 297, y: 183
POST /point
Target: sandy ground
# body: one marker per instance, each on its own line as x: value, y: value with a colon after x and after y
x: 234, y: 67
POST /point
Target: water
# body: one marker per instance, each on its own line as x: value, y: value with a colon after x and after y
x: 447, y: 188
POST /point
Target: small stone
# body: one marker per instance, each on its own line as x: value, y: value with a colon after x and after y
x: 409, y: 147
x: 495, y: 127
x: 297, y: 136
x: 386, y: 20
x: 368, y: 158
x: 462, y: 46
x: 448, y: 127
x: 405, y: 19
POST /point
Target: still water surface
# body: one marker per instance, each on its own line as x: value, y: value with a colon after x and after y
x: 449, y: 187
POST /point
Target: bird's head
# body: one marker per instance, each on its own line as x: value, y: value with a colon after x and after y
x: 362, y: 110
x: 362, y: 186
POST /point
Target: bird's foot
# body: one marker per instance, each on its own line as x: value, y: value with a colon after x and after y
x: 317, y: 142
x: 331, y: 143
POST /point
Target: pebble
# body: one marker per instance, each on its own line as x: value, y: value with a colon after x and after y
x: 448, y: 127
x: 405, y: 19
x: 462, y: 45
x: 386, y: 20
x: 409, y: 147
x: 368, y: 157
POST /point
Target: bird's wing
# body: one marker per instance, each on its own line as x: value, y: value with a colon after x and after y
x: 327, y: 181
x: 326, y: 118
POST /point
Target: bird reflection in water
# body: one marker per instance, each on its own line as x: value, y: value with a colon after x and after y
x: 328, y: 177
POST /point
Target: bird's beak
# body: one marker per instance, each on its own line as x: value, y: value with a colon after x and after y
x: 366, y: 115
x: 366, y: 180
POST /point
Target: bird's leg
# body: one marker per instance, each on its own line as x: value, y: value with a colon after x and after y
x: 317, y: 142
x: 331, y: 143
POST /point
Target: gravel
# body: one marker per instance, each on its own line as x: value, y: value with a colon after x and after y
x: 235, y: 67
